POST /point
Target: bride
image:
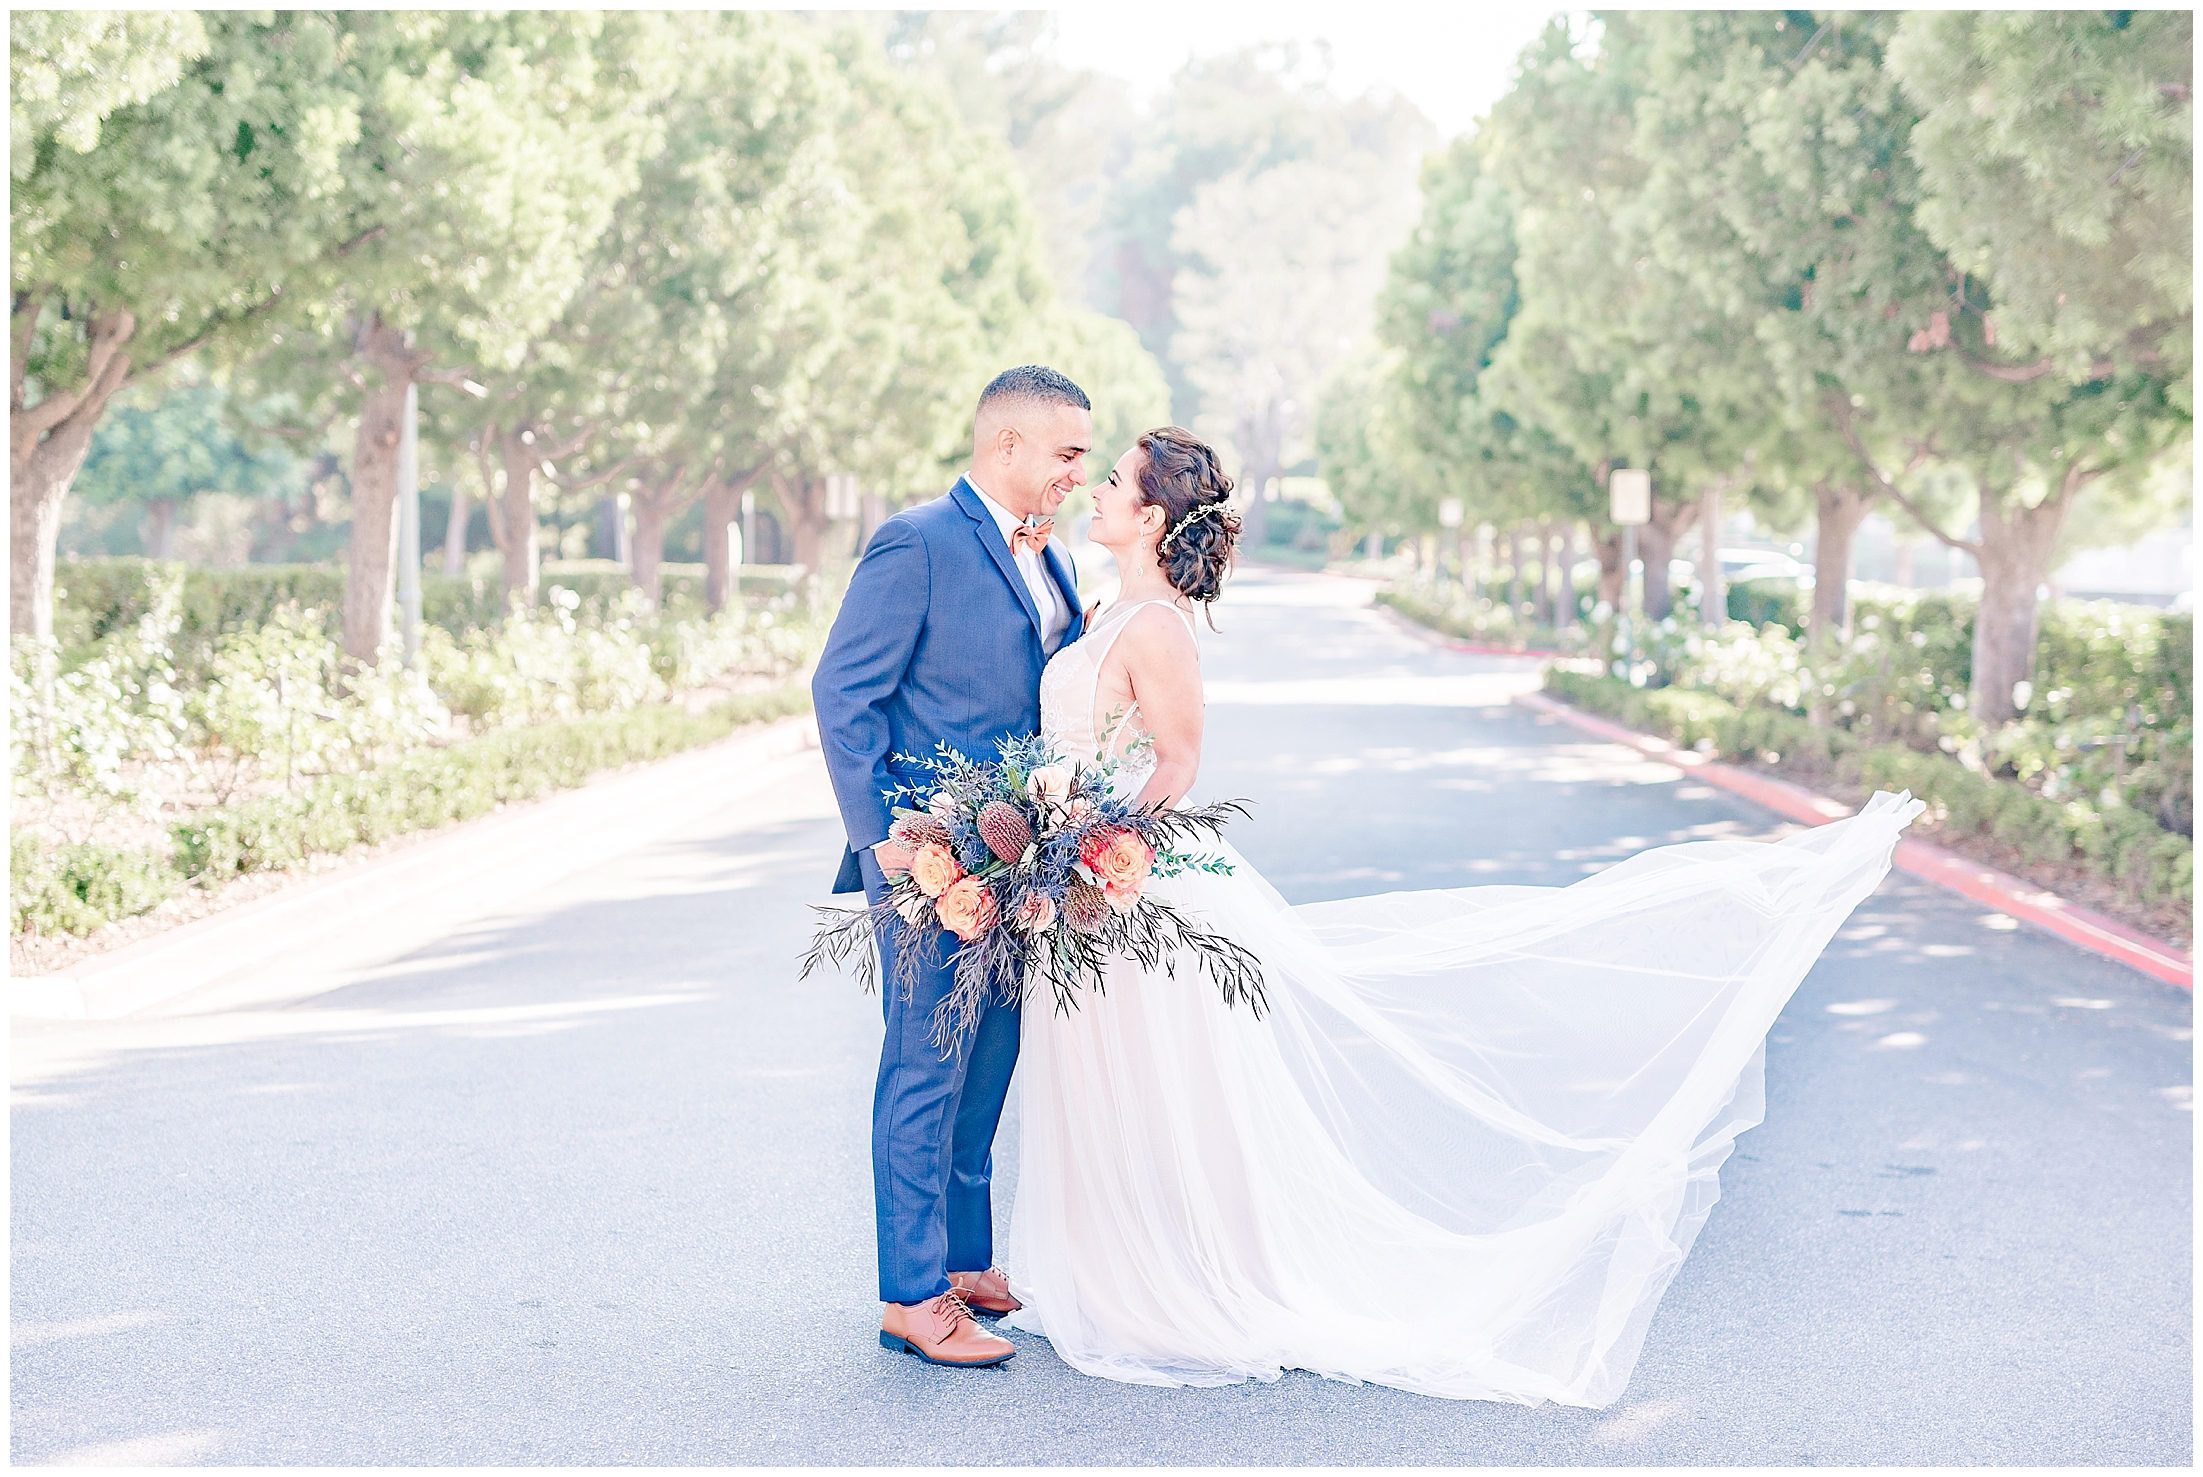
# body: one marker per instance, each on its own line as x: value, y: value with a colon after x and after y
x: 1477, y: 1130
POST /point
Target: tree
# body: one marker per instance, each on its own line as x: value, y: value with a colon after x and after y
x: 1241, y: 113
x: 164, y: 452
x: 1281, y: 269
x: 937, y: 284
x: 491, y: 149
x: 1449, y: 298
x: 1063, y: 126
x: 1612, y: 352
x: 2056, y: 153
x: 703, y: 260
x: 1779, y: 188
x: 174, y: 175
x: 1367, y: 454
x: 2055, y: 158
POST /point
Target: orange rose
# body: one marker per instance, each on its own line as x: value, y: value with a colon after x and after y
x: 934, y: 869
x: 967, y: 909
x: 1121, y: 860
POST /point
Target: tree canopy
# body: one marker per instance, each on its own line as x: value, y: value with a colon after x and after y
x: 1833, y: 259
x: 658, y: 256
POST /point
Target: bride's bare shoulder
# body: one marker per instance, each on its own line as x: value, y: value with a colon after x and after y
x: 1159, y: 634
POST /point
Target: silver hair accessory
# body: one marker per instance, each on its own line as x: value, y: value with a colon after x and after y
x: 1197, y: 513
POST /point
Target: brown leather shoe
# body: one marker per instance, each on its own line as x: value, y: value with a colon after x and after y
x: 941, y: 1331
x: 986, y: 1293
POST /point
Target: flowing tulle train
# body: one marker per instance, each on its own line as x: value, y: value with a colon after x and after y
x: 1465, y: 1152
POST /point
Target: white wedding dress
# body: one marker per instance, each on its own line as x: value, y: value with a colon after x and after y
x: 1462, y: 1154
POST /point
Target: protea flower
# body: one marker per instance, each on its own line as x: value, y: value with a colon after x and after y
x: 1085, y: 908
x: 915, y: 831
x: 1005, y: 830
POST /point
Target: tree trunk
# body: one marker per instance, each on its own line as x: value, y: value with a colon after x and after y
x: 1906, y: 551
x: 2018, y: 547
x: 1612, y: 577
x: 372, y: 563
x: 803, y: 499
x: 646, y: 546
x: 1656, y: 546
x: 1514, y: 571
x: 1548, y: 576
x: 1839, y: 509
x: 722, y: 506
x: 1571, y: 554
x: 1261, y: 441
x: 1533, y: 574
x: 46, y: 447
x: 160, y: 519
x: 656, y: 508
x: 1254, y: 521
x: 455, y: 532
x: 1713, y: 590
x: 516, y: 448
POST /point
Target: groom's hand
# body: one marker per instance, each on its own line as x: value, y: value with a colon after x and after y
x: 893, y: 859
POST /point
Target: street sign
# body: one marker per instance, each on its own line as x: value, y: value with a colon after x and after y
x: 1631, y: 489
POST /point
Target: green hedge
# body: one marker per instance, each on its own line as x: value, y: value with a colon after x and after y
x: 467, y: 779
x: 2096, y: 656
x: 95, y: 597
x: 76, y: 889
x: 1769, y: 601
x: 1483, y: 621
x: 2120, y: 845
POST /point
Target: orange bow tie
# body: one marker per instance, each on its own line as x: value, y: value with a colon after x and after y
x: 1032, y: 536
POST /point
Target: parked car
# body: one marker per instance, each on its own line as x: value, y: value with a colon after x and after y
x: 1738, y: 565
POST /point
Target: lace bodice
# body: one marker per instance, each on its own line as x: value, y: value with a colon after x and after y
x: 1068, y: 692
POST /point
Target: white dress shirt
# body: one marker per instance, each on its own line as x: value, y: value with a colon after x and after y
x: 1055, y: 616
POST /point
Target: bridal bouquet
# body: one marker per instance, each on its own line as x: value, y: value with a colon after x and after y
x: 1040, y: 874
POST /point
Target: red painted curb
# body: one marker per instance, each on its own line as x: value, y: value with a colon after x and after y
x: 1452, y: 645
x: 1962, y: 875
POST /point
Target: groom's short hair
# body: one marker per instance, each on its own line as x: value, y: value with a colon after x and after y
x: 1033, y: 382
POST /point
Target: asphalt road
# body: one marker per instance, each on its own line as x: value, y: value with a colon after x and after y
x: 587, y: 1181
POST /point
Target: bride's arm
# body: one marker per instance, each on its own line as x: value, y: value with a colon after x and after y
x: 1163, y: 665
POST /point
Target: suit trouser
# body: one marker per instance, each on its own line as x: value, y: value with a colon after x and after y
x: 933, y: 1122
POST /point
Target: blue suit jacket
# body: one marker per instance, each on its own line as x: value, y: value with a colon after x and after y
x: 938, y: 641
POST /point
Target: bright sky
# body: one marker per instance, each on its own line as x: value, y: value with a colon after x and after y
x: 1452, y: 61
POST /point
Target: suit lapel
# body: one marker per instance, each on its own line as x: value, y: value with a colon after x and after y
x: 967, y: 497
x: 1067, y: 590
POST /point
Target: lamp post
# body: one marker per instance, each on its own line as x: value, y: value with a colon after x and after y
x: 1630, y: 491
x: 1449, y: 518
x: 842, y: 499
x: 409, y: 521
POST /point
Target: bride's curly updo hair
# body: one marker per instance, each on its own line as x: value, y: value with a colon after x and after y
x: 1183, y: 477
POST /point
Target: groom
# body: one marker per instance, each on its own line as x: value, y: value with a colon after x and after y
x: 953, y: 610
